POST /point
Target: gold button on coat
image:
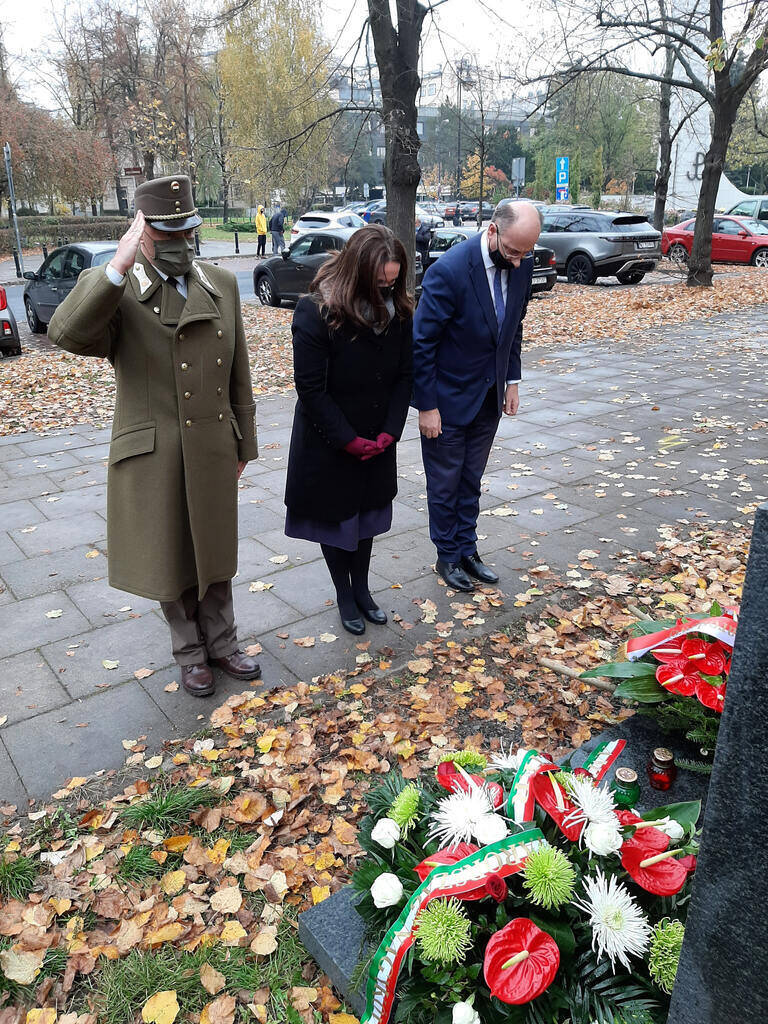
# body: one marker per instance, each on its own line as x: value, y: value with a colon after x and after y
x: 218, y: 362
x: 221, y: 416
x: 187, y: 394
x: 219, y: 334
x: 188, y: 423
x: 181, y: 337
x: 219, y: 391
x: 157, y: 309
x: 185, y: 366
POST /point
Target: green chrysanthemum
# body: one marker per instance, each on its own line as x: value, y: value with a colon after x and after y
x: 405, y: 807
x: 549, y: 877
x: 469, y: 760
x: 565, y: 779
x: 444, y: 932
x: 666, y: 943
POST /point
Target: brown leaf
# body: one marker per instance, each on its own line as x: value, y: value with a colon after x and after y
x: 213, y: 981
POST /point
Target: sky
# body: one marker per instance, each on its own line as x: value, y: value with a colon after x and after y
x: 458, y: 27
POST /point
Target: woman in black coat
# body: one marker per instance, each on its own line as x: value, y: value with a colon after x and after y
x: 352, y: 360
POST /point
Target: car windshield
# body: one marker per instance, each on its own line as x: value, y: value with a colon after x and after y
x: 100, y: 258
x: 757, y: 227
x: 442, y: 242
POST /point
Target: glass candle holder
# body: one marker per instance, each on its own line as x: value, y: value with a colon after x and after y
x: 625, y: 788
x: 661, y: 768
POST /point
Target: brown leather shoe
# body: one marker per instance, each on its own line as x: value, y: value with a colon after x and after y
x: 239, y: 666
x: 198, y: 680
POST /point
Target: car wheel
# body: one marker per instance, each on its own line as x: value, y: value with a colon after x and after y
x: 36, y: 325
x: 580, y: 270
x: 760, y: 258
x: 631, y: 277
x: 678, y: 253
x: 266, y: 292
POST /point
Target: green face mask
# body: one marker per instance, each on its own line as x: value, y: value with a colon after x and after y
x: 174, y: 256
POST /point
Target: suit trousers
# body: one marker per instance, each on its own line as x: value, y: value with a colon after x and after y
x: 278, y: 241
x: 454, y: 463
x: 202, y: 629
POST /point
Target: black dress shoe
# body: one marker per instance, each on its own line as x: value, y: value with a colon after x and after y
x: 356, y: 626
x: 474, y: 566
x: 454, y: 576
x: 374, y: 614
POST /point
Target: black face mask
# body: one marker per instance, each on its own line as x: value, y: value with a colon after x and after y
x: 387, y: 291
x: 498, y: 260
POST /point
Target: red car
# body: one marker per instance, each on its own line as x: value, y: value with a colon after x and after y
x: 734, y: 240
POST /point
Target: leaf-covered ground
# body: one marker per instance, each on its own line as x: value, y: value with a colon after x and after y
x: 173, y: 887
x: 46, y: 390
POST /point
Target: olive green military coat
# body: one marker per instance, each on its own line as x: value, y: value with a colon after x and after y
x: 184, y: 416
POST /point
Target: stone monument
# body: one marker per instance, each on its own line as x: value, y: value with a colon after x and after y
x: 723, y: 972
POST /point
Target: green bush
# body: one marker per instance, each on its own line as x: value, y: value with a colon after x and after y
x: 243, y: 226
x: 37, y: 230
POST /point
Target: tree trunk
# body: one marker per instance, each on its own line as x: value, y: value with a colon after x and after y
x: 397, y: 56
x: 149, y: 165
x: 661, y: 184
x: 700, y: 263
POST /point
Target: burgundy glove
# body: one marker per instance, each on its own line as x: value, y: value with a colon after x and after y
x: 384, y: 441
x: 362, y: 448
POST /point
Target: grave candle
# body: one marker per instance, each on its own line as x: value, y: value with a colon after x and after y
x: 625, y: 788
x: 662, y: 770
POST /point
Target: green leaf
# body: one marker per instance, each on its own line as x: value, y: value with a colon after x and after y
x: 717, y: 609
x: 686, y: 813
x: 620, y: 670
x: 560, y: 932
x: 646, y: 691
x: 712, y: 680
x: 645, y: 627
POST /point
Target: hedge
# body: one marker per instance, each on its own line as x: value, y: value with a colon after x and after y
x: 35, y: 231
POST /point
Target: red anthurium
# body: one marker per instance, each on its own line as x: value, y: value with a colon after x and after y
x: 654, y: 870
x: 688, y: 862
x: 668, y: 651
x: 709, y: 695
x: 450, y: 855
x: 520, y: 962
x: 678, y: 676
x: 706, y: 656
x: 546, y: 796
x: 450, y: 778
x: 645, y: 833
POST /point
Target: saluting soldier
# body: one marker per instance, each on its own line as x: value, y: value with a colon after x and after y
x: 183, y: 427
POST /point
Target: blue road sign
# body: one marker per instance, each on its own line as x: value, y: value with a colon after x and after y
x: 563, y: 194
x: 562, y: 171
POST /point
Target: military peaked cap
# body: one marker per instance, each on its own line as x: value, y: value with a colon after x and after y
x: 167, y: 203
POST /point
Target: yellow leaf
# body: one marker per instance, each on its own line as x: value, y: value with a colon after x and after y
x: 161, y: 1008
x: 227, y: 901
x: 674, y: 599
x: 264, y: 743
x: 177, y: 844
x: 47, y: 1016
x: 320, y: 893
x: 21, y: 967
x: 231, y: 933
x: 218, y: 851
x: 342, y: 1018
x: 60, y: 906
x: 265, y: 942
x: 173, y: 882
x: 167, y: 933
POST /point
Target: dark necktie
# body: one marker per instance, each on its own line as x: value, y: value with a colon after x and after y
x: 498, y: 299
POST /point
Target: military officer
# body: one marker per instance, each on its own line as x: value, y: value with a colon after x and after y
x: 183, y: 426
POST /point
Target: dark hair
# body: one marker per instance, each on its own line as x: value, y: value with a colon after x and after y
x: 347, y: 286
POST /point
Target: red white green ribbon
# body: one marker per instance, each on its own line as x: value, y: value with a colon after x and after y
x: 721, y: 627
x: 503, y: 858
x: 520, y: 801
x: 602, y: 757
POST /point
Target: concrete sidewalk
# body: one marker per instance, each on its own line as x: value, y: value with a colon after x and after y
x: 611, y: 442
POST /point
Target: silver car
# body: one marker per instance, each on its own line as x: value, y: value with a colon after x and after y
x: 593, y: 243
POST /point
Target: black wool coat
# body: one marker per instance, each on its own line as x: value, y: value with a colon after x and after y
x: 350, y: 382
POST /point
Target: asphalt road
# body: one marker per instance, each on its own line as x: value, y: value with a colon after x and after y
x: 15, y: 293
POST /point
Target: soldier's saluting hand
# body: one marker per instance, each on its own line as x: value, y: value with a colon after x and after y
x: 183, y: 427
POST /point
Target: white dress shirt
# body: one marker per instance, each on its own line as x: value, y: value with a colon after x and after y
x: 117, y: 278
x: 490, y: 272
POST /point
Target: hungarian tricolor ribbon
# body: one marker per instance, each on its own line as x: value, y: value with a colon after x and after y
x: 720, y: 627
x: 602, y: 757
x: 504, y: 858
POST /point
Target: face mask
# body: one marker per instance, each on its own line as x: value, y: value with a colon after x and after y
x: 174, y: 256
x: 387, y: 291
x: 497, y: 259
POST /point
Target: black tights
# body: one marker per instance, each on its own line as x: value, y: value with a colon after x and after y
x: 349, y: 572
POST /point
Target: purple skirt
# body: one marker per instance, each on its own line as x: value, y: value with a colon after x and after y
x: 346, y: 534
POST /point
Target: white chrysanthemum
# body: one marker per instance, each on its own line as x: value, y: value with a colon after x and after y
x: 602, y: 837
x: 456, y: 817
x: 593, y: 803
x: 619, y: 927
x: 506, y: 760
x: 491, y: 828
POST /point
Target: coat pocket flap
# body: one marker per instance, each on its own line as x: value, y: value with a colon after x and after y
x: 236, y: 428
x: 137, y: 440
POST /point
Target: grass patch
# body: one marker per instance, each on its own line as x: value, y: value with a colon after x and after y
x: 238, y: 839
x: 17, y: 876
x: 120, y: 990
x: 138, y: 865
x: 54, y: 964
x: 169, y: 807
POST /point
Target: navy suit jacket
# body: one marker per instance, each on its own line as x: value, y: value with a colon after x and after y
x: 456, y: 337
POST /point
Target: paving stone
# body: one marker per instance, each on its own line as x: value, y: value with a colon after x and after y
x: 53, y: 443
x: 10, y: 452
x: 136, y: 643
x: 66, y: 532
x: 14, y: 514
x: 253, y: 520
x: 6, y: 597
x: 9, y: 552
x: 28, y: 687
x: 102, y: 605
x: 70, y: 503
x: 305, y: 587
x: 73, y: 479
x: 40, y: 464
x: 57, y: 570
x: 26, y: 487
x: 253, y: 560
x: 24, y: 624
x: 12, y: 791
x: 255, y: 613
x: 83, y: 737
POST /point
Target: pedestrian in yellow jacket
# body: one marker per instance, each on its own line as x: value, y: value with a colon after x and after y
x: 261, y: 232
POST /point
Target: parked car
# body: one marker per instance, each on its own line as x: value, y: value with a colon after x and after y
x: 468, y: 210
x: 734, y: 240
x: 755, y: 207
x: 376, y: 213
x: 47, y: 287
x: 10, y: 345
x: 323, y: 220
x: 593, y: 243
x: 289, y: 275
x: 544, y: 270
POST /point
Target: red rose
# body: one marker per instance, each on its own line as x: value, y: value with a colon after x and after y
x: 496, y: 887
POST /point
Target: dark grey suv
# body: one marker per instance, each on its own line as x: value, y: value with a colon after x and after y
x: 593, y: 243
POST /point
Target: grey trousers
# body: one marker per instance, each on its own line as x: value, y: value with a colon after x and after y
x: 278, y: 241
x: 202, y: 629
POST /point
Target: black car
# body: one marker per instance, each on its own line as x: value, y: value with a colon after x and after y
x: 544, y: 270
x: 289, y: 275
x: 47, y: 287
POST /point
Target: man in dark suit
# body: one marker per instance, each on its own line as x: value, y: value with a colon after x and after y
x: 467, y: 335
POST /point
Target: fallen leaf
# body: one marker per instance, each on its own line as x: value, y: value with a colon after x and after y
x: 171, y: 687
x: 143, y: 673
x: 161, y: 1008
x: 46, y: 1016
x: 265, y: 942
x: 213, y: 981
x: 227, y: 901
x: 54, y: 613
x: 259, y: 585
x: 305, y: 641
x: 110, y: 664
x: 220, y: 1011
x: 173, y: 882
x: 21, y: 967
x: 232, y: 932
